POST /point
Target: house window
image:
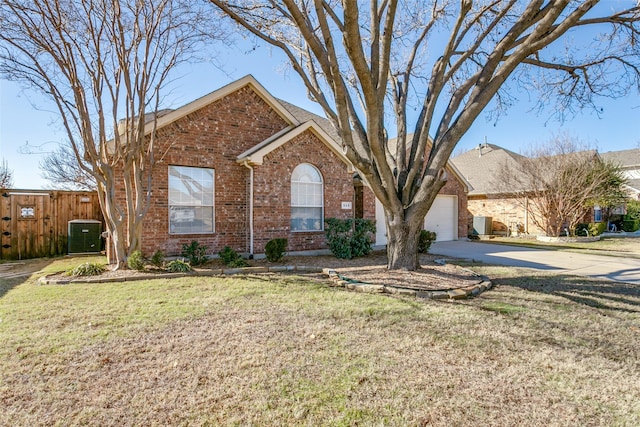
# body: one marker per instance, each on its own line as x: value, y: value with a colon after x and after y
x: 191, y: 204
x: 307, y: 204
x: 597, y: 214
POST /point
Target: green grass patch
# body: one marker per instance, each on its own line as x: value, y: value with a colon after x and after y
x: 502, y: 308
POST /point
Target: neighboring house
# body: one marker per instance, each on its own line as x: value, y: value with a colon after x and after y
x: 240, y: 167
x: 629, y: 161
x: 479, y: 167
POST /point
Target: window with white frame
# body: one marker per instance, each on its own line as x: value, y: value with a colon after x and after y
x: 191, y: 200
x: 307, y: 200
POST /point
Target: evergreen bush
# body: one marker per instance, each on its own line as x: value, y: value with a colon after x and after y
x: 275, y: 249
x: 158, y: 258
x: 231, y: 258
x: 425, y: 239
x: 195, y: 253
x: 348, y: 238
x: 136, y: 261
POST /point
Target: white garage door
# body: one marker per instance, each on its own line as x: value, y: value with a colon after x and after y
x: 443, y: 218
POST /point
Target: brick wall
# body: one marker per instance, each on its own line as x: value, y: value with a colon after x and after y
x: 211, y: 137
x: 272, y: 192
x: 503, y: 211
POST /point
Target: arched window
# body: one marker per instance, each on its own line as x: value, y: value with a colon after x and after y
x: 307, y: 199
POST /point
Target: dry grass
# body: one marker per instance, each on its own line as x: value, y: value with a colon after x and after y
x: 284, y: 350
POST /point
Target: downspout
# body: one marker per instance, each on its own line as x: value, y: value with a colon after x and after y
x: 526, y: 214
x: 246, y: 163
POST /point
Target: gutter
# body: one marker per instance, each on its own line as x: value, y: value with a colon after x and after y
x: 247, y: 165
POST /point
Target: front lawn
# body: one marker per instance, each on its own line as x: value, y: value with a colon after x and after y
x: 287, y: 350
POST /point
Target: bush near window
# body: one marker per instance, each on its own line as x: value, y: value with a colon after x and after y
x: 425, y: 240
x: 195, y: 253
x: 275, y: 249
x: 349, y: 238
x: 136, y: 261
x: 231, y: 258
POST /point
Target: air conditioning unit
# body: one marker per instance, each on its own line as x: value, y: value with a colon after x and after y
x: 482, y: 225
x: 85, y: 236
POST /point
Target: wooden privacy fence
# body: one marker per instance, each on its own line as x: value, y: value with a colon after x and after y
x: 34, y: 223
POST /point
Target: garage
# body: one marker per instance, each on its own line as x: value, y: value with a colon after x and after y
x: 442, y: 218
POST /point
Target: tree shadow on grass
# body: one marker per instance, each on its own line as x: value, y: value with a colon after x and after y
x: 602, y: 294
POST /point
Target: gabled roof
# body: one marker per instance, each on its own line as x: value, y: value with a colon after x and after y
x: 255, y: 155
x: 480, y: 164
x: 627, y: 159
x: 249, y: 80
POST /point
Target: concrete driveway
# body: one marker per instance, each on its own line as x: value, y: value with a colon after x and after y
x: 597, y: 266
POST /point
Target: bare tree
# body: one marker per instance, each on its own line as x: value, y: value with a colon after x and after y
x: 100, y: 61
x: 370, y: 64
x: 6, y: 175
x: 63, y: 170
x: 558, y: 181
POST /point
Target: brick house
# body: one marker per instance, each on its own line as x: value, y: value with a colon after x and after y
x: 629, y: 162
x: 240, y: 167
x: 480, y: 166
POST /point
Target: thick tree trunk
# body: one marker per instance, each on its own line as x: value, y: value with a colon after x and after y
x: 402, y: 243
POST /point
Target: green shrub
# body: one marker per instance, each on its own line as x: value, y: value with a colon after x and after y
x: 348, y: 238
x: 425, y: 239
x: 87, y: 269
x: 178, y: 266
x: 158, y: 258
x: 231, y: 258
x: 195, y: 253
x: 136, y: 261
x: 590, y: 229
x: 275, y: 249
x: 362, y: 239
x: 630, y: 225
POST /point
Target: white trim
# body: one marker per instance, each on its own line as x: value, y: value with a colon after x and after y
x: 255, y: 155
x: 218, y: 94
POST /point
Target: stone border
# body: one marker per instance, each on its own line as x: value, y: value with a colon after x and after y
x: 335, y: 280
x: 459, y: 293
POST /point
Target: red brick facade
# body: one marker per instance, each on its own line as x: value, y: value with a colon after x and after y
x: 213, y: 137
x: 243, y: 120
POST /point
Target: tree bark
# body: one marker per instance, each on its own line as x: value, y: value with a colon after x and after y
x: 402, y: 242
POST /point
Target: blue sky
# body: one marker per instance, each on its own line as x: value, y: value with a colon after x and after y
x: 27, y: 117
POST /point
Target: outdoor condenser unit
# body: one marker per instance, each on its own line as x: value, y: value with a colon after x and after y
x: 482, y: 225
x: 85, y: 235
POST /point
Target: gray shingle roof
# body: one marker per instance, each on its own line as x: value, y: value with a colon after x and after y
x: 627, y: 159
x: 480, y: 165
x: 303, y: 116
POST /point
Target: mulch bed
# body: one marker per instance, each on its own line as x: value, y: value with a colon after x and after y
x: 370, y: 269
